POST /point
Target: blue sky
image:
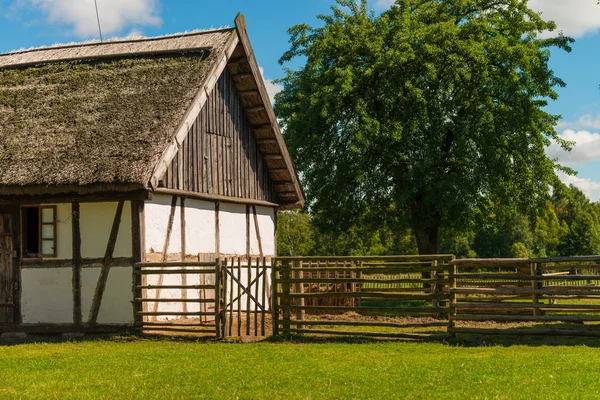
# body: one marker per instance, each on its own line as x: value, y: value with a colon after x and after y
x: 27, y: 23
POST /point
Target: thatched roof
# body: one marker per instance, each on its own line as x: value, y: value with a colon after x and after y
x: 99, y: 113
x: 112, y: 115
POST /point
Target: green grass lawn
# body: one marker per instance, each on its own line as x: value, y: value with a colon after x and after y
x: 146, y: 369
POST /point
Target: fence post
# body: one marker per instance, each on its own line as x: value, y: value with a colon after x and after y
x: 300, y: 289
x: 434, y: 286
x: 286, y: 297
x: 534, y: 286
x: 451, y: 322
x: 224, y: 297
x: 218, y: 298
x: 274, y: 297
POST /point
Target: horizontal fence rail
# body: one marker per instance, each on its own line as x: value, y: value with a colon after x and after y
x: 544, y: 296
x: 364, y: 296
x: 169, y: 305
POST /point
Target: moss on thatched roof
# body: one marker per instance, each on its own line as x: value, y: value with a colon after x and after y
x: 98, y: 120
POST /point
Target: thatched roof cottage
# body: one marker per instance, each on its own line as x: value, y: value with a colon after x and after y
x: 157, y: 149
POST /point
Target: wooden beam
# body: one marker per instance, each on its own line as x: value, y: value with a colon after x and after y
x: 255, y: 108
x: 273, y: 157
x: 106, y: 263
x: 248, y: 232
x: 242, y: 76
x: 77, y: 261
x: 215, y: 197
x: 36, y: 198
x: 266, y: 141
x: 261, y: 126
x: 278, y: 170
x: 237, y: 60
x: 165, y: 252
x: 217, y: 230
x: 257, y: 229
x: 137, y: 253
x: 183, y: 252
x: 251, y: 92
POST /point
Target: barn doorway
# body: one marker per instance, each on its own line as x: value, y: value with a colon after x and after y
x: 6, y: 270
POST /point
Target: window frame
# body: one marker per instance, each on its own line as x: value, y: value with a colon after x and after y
x: 40, y: 255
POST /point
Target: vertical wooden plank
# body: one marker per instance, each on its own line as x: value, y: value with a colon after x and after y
x: 7, y: 267
x: 137, y: 251
x: 286, y: 299
x: 230, y: 272
x: 218, y: 283
x: 300, y: 289
x: 248, y: 294
x: 274, y: 296
x: 256, y: 296
x: 264, y: 295
x: 184, y: 292
x: 453, y: 302
x: 535, y: 297
x: 217, y: 230
x: 202, y: 142
x: 225, y: 280
x: 77, y: 261
x: 239, y: 299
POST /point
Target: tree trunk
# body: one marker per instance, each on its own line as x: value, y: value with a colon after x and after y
x: 427, y: 239
x: 427, y: 243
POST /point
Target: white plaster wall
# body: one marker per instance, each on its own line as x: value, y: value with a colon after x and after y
x: 266, y: 225
x: 199, y: 226
x: 116, y: 306
x: 156, y: 214
x: 96, y: 223
x: 232, y: 228
x: 47, y: 295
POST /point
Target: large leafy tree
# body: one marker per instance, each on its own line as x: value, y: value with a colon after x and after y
x: 422, y: 114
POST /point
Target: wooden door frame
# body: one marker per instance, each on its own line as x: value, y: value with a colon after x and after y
x: 14, y: 211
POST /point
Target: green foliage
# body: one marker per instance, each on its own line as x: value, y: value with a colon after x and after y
x: 568, y: 225
x: 294, y: 234
x: 421, y: 115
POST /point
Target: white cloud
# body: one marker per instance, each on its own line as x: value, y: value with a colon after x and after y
x: 272, y: 87
x: 586, y: 148
x: 573, y: 17
x: 115, y: 15
x: 587, y: 121
x: 589, y: 187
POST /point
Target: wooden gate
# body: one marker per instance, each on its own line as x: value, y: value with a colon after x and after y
x: 6, y: 270
x: 246, y: 296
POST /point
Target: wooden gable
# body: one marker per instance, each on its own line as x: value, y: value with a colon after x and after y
x: 220, y: 155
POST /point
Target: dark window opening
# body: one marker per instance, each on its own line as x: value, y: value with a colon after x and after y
x: 39, y: 231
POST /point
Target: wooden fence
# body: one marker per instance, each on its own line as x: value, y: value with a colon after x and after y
x: 546, y: 296
x: 226, y: 297
x: 376, y: 290
x: 165, y: 302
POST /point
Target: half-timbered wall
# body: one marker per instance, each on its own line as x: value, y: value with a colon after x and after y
x: 220, y: 155
x: 47, y: 285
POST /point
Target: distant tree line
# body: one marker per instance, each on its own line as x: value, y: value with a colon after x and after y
x: 568, y: 225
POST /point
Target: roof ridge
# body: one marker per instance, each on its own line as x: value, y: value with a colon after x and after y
x: 96, y: 42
